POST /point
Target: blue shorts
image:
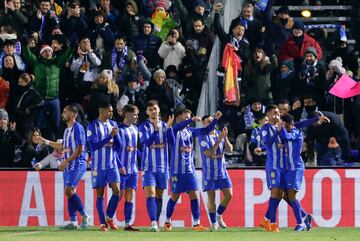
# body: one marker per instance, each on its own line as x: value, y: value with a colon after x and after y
x: 184, y: 183
x: 155, y: 179
x: 99, y: 178
x: 209, y: 185
x: 73, y: 177
x: 276, y: 178
x: 294, y: 179
x: 129, y: 181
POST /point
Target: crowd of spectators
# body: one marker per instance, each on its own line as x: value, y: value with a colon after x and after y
x: 54, y: 53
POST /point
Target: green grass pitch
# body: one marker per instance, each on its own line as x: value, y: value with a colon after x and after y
x: 178, y: 234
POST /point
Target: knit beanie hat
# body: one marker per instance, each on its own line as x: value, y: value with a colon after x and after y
x: 199, y: 3
x: 299, y: 25
x: 338, y: 63
x: 289, y: 64
x: 161, y: 3
x: 45, y: 47
x: 311, y: 50
x: 108, y: 73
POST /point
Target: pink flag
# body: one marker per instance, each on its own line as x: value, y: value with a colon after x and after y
x: 345, y: 87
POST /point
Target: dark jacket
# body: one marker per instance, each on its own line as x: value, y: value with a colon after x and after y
x: 74, y: 25
x: 163, y: 94
x: 8, y: 140
x: 49, y: 24
x: 98, y: 96
x: 29, y: 152
x: 148, y: 46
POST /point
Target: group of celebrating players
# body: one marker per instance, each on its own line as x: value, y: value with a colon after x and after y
x: 167, y: 153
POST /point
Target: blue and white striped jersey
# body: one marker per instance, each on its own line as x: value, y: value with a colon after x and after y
x: 213, y: 168
x: 292, y: 152
x: 181, y: 146
x: 154, y: 147
x: 73, y: 137
x: 127, y: 154
x: 102, y: 145
x: 273, y: 146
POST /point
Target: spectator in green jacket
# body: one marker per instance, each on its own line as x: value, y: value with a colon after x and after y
x: 46, y: 70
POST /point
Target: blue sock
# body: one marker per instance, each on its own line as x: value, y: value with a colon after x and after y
x: 158, y: 207
x: 212, y: 217
x: 273, y: 204
x: 220, y: 210
x: 303, y: 213
x: 76, y: 203
x: 113, y: 202
x: 195, y: 209
x: 151, y: 208
x: 297, y: 211
x: 170, y: 208
x: 128, y: 211
x: 72, y: 212
x: 100, y: 209
x: 267, y: 215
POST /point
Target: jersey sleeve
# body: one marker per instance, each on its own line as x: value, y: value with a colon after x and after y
x: 79, y: 134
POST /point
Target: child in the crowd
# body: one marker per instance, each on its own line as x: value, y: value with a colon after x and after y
x: 256, y: 145
x: 333, y: 155
x: 52, y: 160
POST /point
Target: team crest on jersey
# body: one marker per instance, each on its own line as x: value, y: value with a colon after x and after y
x: 94, y: 173
x: 264, y: 133
x: 88, y: 133
x: 174, y: 179
x: 203, y: 144
x: 272, y: 174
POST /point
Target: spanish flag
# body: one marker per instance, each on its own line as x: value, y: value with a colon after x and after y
x: 232, y: 64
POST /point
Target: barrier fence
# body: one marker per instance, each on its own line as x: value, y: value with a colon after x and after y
x: 30, y: 198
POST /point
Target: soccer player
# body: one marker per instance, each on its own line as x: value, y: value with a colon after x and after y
x: 214, y: 173
x: 103, y: 138
x: 127, y: 157
x: 154, y: 162
x: 74, y: 164
x: 295, y: 168
x: 182, y: 170
x: 275, y: 168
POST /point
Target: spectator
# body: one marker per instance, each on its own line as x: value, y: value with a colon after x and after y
x: 9, y: 138
x: 294, y: 48
x: 256, y: 145
x: 110, y: 13
x: 130, y: 21
x: 197, y: 12
x: 160, y: 91
x: 118, y: 59
x: 254, y: 28
x: 279, y: 29
x: 47, y: 71
x: 318, y: 136
x: 147, y: 44
x: 284, y: 107
x: 283, y: 85
x: 136, y: 95
x: 257, y: 76
x: 13, y: 16
x: 85, y: 65
x: 312, y: 77
x: 26, y: 104
x: 171, y: 50
x: 4, y: 93
x: 175, y: 82
x: 332, y: 156
x: 43, y: 21
x: 162, y: 20
x: 9, y: 49
x: 101, y: 35
x: 73, y: 22
x: 32, y: 153
x: 103, y: 89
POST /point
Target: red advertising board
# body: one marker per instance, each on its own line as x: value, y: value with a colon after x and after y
x: 31, y: 198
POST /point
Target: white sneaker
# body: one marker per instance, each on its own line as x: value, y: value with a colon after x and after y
x: 85, y: 221
x: 214, y: 227
x: 221, y: 222
x: 154, y: 228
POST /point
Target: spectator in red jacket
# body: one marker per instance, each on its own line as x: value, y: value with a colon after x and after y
x: 294, y: 48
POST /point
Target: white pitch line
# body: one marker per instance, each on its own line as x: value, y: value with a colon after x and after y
x: 26, y: 233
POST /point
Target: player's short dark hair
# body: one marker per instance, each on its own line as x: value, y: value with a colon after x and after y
x: 129, y: 108
x: 270, y: 107
x: 205, y: 117
x: 120, y: 36
x: 283, y: 101
x: 104, y: 104
x: 152, y: 103
x: 72, y: 108
x: 288, y: 118
x: 259, y: 118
